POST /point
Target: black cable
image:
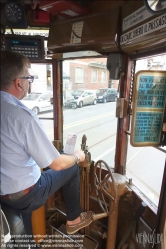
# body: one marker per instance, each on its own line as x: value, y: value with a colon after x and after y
x: 76, y: 34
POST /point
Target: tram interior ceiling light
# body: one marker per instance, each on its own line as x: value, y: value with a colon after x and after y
x: 64, y: 8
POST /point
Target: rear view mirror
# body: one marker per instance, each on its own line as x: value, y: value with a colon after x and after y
x: 156, y: 7
x: 114, y: 65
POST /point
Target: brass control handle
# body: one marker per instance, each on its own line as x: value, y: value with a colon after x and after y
x: 99, y: 216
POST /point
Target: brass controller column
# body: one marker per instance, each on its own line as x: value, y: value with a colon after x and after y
x: 120, y: 183
x: 84, y: 180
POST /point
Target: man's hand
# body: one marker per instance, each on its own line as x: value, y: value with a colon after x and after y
x: 80, y: 154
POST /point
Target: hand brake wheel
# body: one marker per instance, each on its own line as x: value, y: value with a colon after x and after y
x: 102, y: 187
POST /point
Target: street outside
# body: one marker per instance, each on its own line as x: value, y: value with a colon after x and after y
x: 99, y: 124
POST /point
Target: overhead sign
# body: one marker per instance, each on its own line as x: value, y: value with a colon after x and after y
x: 147, y: 28
x: 31, y: 32
x: 135, y: 18
x: 149, y: 103
x: 76, y: 32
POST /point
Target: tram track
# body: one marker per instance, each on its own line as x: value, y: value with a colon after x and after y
x: 103, y: 140
x: 90, y: 128
x: 93, y: 127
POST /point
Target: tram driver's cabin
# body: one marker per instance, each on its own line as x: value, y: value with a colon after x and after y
x: 97, y: 85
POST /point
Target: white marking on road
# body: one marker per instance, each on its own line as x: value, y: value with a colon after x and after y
x: 83, y: 121
x: 87, y: 120
x: 105, y: 153
x: 134, y: 156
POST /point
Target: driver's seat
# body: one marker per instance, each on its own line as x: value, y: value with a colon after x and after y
x: 17, y: 227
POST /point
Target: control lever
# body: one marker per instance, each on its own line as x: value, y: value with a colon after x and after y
x: 136, y: 217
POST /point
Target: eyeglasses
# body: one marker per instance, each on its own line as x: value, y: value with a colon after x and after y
x: 30, y: 78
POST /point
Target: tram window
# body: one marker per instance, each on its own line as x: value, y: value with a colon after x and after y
x: 42, y: 89
x: 83, y: 114
x: 142, y: 161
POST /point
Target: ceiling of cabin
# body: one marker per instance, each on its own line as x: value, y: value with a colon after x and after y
x: 100, y: 17
x: 34, y: 13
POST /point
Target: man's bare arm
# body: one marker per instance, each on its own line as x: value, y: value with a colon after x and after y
x: 66, y: 161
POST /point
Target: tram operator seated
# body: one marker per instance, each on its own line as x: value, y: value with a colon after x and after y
x: 25, y: 149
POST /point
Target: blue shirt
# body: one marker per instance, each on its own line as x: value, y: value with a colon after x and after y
x: 25, y: 147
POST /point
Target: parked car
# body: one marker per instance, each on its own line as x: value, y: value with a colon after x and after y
x: 39, y: 102
x: 81, y: 98
x: 67, y: 98
x: 106, y: 94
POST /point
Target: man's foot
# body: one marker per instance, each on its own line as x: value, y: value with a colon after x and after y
x: 86, y: 219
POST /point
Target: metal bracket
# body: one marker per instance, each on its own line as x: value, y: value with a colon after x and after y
x: 121, y: 107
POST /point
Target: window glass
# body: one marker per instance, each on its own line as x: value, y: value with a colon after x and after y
x: 103, y: 77
x: 45, y: 97
x: 39, y: 96
x: 32, y: 96
x: 78, y: 75
x: 77, y: 93
x: 82, y: 112
x: 94, y: 76
x: 142, y: 161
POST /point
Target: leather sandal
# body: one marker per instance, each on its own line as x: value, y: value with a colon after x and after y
x: 86, y: 219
